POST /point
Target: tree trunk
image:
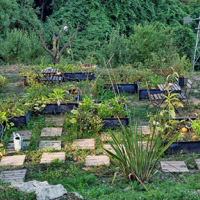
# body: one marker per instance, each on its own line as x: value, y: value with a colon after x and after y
x: 56, y: 60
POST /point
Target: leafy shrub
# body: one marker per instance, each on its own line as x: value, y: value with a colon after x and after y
x: 20, y: 46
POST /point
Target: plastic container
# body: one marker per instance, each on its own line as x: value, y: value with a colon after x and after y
x: 78, y: 76
x: 130, y: 88
x: 18, y: 142
x: 22, y: 120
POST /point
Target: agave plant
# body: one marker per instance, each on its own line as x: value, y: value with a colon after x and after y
x: 135, y: 158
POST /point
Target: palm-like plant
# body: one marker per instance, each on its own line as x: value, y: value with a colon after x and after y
x: 137, y: 159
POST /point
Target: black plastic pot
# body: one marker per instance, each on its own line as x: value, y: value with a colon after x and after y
x: 186, y: 147
x: 130, y: 88
x: 78, y: 76
x: 58, y: 109
x: 22, y: 120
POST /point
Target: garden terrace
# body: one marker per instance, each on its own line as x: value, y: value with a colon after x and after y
x: 64, y: 149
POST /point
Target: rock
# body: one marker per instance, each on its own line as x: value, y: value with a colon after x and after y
x: 43, y: 190
x: 28, y: 186
x: 196, y: 91
x: 50, y: 192
x: 77, y: 196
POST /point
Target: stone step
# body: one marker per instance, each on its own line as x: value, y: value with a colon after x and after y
x: 10, y: 147
x: 97, y: 160
x: 12, y: 160
x: 54, y: 121
x: 25, y: 134
x: 49, y: 157
x: 50, y: 144
x: 50, y: 132
x: 84, y: 144
x: 174, y: 166
x: 13, y: 175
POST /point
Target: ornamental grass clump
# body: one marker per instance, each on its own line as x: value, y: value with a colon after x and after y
x: 137, y: 158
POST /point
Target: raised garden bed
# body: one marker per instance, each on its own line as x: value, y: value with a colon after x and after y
x: 130, y: 88
x: 185, y: 147
x: 78, y: 76
x: 143, y: 94
x: 115, y: 122
x: 58, y: 109
x: 181, y: 81
x: 22, y: 120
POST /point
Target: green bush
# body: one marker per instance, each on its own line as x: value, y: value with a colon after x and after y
x: 20, y: 46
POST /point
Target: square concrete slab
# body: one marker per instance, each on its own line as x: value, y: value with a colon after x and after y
x: 50, y: 144
x: 55, y: 121
x: 12, y: 160
x: 10, y: 147
x: 84, y: 144
x: 108, y: 147
x: 144, y: 129
x: 97, y: 160
x: 13, y: 175
x: 173, y: 166
x: 49, y: 157
x: 51, y: 132
x: 26, y: 135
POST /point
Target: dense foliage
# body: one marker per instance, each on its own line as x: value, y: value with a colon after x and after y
x: 135, y: 31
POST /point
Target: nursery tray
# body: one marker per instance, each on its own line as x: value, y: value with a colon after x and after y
x: 185, y: 147
x: 58, y: 109
x: 22, y: 120
x: 130, y: 88
x: 78, y: 76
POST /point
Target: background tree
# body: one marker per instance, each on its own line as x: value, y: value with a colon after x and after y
x: 56, y: 53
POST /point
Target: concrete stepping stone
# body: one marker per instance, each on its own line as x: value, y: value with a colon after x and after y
x: 105, y: 137
x: 51, y: 132
x: 50, y: 144
x: 144, y: 129
x: 25, y: 134
x: 84, y: 143
x: 49, y: 157
x: 13, y: 175
x: 97, y: 160
x: 198, y: 163
x: 174, y: 166
x: 55, y: 121
x: 108, y: 147
x: 10, y: 147
x: 12, y: 160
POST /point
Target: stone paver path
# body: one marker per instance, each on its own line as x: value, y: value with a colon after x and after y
x: 97, y: 160
x: 10, y: 147
x: 50, y: 144
x: 51, y: 132
x: 26, y: 135
x: 55, y: 121
x: 174, y: 166
x: 49, y: 157
x: 84, y: 143
x: 13, y: 175
x: 12, y: 160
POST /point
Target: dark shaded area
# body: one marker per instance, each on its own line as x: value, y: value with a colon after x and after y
x: 45, y: 8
